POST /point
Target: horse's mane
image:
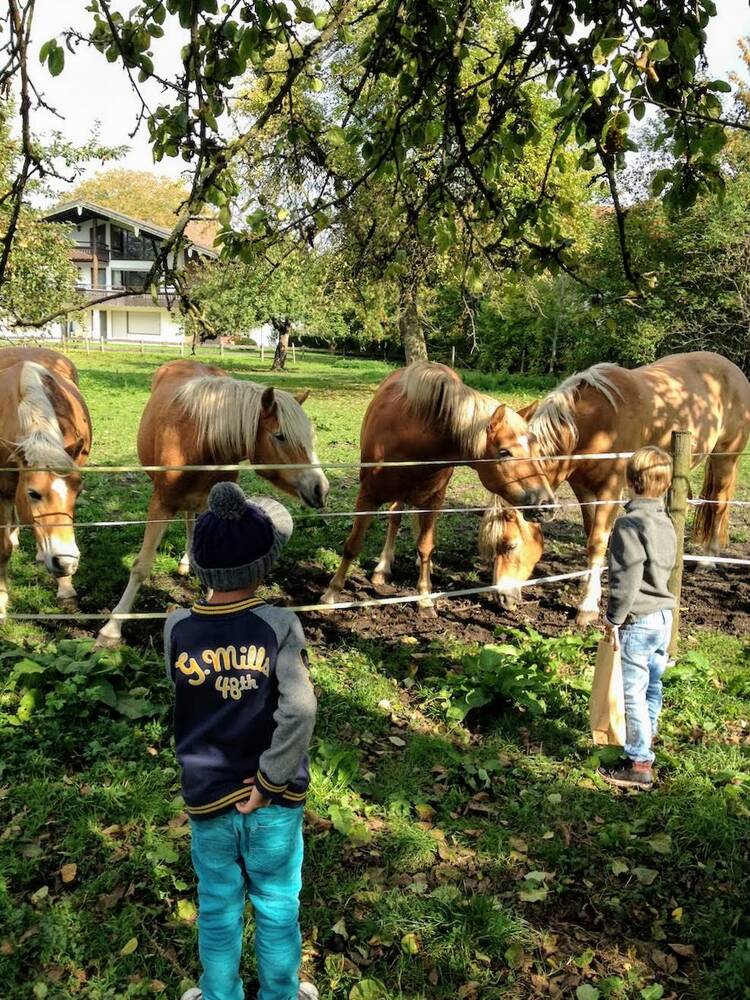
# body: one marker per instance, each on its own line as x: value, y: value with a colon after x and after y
x: 431, y: 394
x: 553, y: 423
x: 226, y: 413
x: 41, y: 441
x: 491, y: 538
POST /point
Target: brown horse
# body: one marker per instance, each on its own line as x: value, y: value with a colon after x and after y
x: 44, y: 422
x: 611, y: 409
x: 425, y: 413
x: 198, y: 415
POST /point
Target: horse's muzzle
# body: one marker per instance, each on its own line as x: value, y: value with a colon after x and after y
x: 315, y: 494
x: 509, y: 599
x: 544, y: 508
x: 61, y: 565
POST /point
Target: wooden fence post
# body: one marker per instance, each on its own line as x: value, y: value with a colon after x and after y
x: 678, y: 504
x: 221, y: 348
x: 262, y: 350
x: 101, y: 344
x: 294, y: 354
x: 453, y: 356
x: 182, y: 348
x: 143, y: 348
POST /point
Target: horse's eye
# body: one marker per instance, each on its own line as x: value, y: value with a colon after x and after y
x: 34, y: 495
x: 504, y: 453
x: 280, y: 437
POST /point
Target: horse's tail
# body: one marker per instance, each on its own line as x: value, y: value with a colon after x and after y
x: 711, y: 525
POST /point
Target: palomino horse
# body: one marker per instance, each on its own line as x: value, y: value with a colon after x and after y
x: 508, y: 543
x: 425, y: 413
x: 198, y: 415
x: 512, y: 546
x: 611, y: 409
x: 44, y: 422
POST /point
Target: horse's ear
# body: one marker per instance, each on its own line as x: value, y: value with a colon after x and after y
x: 498, y: 417
x: 301, y: 396
x: 528, y: 411
x: 75, y: 449
x: 510, y: 514
x: 268, y: 402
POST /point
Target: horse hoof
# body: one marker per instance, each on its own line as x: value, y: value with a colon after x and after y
x: 183, y: 569
x: 330, y: 597
x: 379, y: 579
x: 108, y: 638
x: 427, y: 610
x: 586, y: 618
x: 68, y: 604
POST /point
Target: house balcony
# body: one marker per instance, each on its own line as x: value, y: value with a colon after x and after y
x: 135, y: 298
x: 84, y: 253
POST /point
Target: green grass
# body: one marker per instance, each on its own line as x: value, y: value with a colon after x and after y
x: 445, y: 859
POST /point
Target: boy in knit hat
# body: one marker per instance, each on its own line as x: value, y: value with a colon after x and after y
x: 243, y: 717
x: 639, y: 613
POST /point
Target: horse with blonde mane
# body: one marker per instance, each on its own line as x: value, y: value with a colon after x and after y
x: 198, y: 415
x: 512, y: 546
x: 608, y: 409
x: 44, y: 425
x: 425, y: 413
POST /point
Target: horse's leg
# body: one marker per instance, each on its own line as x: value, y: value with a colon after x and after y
x: 158, y: 518
x: 6, y: 551
x: 598, y: 523
x: 382, y: 572
x: 66, y: 592
x: 711, y: 528
x: 183, y: 568
x: 352, y: 548
x: 425, y: 547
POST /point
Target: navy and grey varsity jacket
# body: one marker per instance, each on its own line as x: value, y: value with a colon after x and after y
x: 244, y: 703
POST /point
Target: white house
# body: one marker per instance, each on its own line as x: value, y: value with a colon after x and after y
x: 115, y: 252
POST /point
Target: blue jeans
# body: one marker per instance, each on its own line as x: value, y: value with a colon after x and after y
x: 644, y: 646
x: 258, y: 856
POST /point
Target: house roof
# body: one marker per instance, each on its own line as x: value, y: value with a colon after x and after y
x: 82, y: 210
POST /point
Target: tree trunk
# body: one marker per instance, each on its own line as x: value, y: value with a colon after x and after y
x: 553, y: 350
x: 283, y: 328
x: 412, y: 334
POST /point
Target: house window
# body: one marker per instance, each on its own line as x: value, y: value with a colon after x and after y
x: 128, y: 246
x: 132, y: 280
x: 118, y: 241
x: 144, y: 324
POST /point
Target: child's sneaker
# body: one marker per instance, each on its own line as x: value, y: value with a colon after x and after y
x: 629, y: 774
x: 306, y: 992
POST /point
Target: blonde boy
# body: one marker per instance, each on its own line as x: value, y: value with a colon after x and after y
x: 639, y: 613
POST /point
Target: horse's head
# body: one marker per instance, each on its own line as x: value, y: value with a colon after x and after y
x: 285, y: 438
x: 513, y: 546
x: 46, y: 501
x: 518, y: 476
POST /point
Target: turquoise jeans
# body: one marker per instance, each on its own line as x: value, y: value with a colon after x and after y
x: 256, y: 857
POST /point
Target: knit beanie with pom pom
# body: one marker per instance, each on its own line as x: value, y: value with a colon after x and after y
x: 238, y: 539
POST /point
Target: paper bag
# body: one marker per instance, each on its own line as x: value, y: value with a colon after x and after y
x: 607, y: 708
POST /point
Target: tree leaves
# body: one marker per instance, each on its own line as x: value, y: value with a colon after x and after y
x: 646, y: 876
x: 368, y: 989
x: 129, y: 947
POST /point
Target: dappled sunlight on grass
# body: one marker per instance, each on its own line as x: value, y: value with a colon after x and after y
x: 454, y: 852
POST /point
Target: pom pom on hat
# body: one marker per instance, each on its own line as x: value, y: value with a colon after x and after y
x: 227, y: 501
